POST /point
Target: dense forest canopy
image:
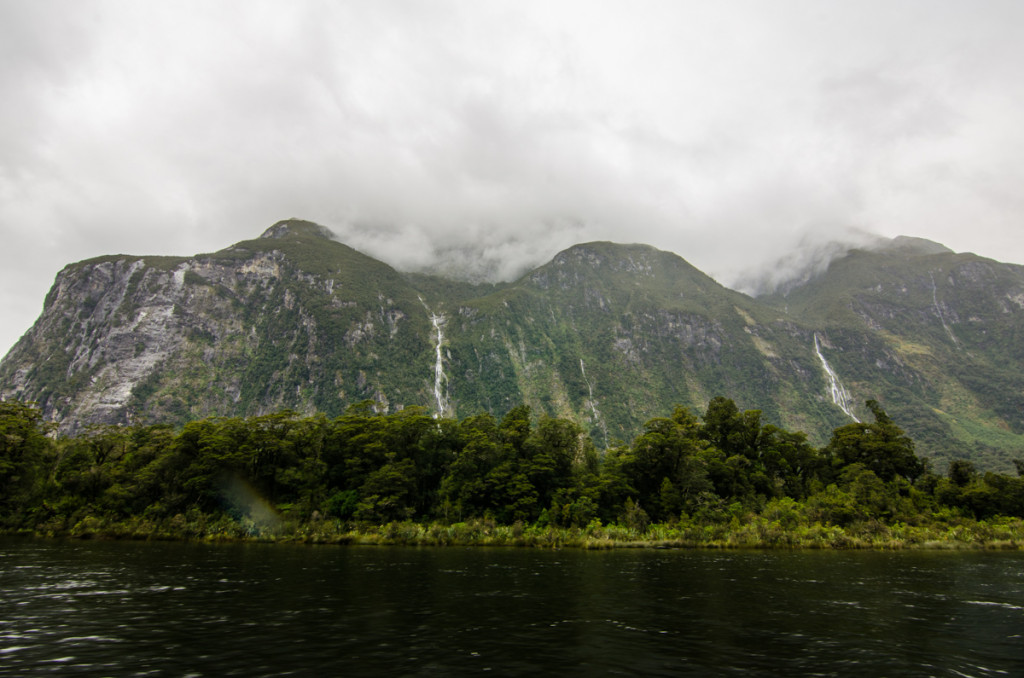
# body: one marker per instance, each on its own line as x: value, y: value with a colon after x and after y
x: 363, y: 469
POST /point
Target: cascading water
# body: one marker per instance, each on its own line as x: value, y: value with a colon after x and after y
x: 593, y: 405
x: 440, y: 380
x: 840, y: 396
x: 938, y: 312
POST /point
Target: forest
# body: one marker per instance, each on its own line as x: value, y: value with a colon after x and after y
x: 720, y: 478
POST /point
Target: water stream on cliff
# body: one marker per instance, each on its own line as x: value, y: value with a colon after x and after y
x: 440, y: 380
x: 840, y: 396
x: 938, y: 312
x: 593, y: 406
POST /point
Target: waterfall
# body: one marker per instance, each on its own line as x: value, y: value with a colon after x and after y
x: 440, y: 380
x: 593, y: 405
x: 938, y: 311
x: 840, y: 396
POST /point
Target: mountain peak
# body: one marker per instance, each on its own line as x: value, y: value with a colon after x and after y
x: 295, y: 227
x: 630, y: 273
x: 905, y: 244
x: 632, y: 256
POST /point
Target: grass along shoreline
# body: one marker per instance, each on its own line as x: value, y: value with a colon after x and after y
x: 757, y: 533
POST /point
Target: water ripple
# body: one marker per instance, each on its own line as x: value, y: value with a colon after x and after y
x: 252, y: 610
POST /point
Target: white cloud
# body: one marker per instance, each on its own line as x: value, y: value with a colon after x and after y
x: 501, y: 132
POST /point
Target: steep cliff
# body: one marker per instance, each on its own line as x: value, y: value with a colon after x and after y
x: 609, y: 335
x: 290, y: 320
x: 938, y: 336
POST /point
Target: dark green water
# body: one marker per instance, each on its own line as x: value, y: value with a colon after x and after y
x: 117, y: 608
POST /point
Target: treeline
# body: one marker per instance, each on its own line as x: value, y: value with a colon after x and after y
x: 361, y: 470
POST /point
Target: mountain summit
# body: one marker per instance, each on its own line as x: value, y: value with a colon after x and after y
x: 297, y: 228
x: 607, y: 334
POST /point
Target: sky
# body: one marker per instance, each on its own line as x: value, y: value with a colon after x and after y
x: 481, y: 138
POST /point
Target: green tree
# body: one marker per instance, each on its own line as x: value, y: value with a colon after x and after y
x: 24, y: 448
x: 549, y: 454
x: 463, y: 490
x: 387, y: 493
x: 615, y: 482
x: 961, y: 472
x: 882, y: 447
x: 515, y: 427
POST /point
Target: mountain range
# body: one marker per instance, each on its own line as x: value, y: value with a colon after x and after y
x: 607, y: 334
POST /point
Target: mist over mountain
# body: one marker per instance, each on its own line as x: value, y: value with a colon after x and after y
x: 607, y: 334
x: 463, y: 254
x: 730, y: 133
x: 813, y: 255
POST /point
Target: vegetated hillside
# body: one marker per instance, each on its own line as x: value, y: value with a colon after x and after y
x: 607, y: 335
x: 938, y: 336
x: 292, y: 319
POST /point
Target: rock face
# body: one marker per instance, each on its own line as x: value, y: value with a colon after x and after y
x: 607, y: 334
x: 292, y: 320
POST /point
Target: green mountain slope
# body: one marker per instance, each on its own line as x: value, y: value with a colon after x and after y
x: 937, y: 335
x: 610, y: 333
x: 606, y: 334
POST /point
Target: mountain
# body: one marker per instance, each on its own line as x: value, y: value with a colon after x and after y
x: 607, y: 334
x: 938, y: 336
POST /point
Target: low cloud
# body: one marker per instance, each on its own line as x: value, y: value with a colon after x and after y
x: 808, y: 259
x: 481, y: 138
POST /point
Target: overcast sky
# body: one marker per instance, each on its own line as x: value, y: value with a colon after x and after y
x: 728, y: 132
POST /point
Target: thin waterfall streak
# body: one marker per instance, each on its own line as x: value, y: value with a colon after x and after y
x: 440, y: 379
x: 938, y: 311
x: 439, y: 376
x: 840, y: 396
x: 593, y: 405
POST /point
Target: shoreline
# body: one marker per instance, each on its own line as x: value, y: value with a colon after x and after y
x: 1005, y: 534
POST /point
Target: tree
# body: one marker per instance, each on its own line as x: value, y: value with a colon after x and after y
x: 463, y: 491
x: 615, y: 482
x: 746, y: 458
x: 882, y: 447
x: 515, y: 427
x: 23, y: 446
x: 387, y: 493
x: 668, y: 451
x: 788, y: 461
x: 1018, y: 464
x: 550, y: 452
x: 961, y: 472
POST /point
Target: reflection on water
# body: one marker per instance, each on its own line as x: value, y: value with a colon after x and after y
x: 212, y: 610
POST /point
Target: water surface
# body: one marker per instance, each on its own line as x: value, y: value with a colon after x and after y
x: 129, y: 608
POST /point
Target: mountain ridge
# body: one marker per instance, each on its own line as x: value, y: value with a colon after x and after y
x: 607, y: 334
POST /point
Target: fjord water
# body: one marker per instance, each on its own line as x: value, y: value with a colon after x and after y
x: 122, y: 608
